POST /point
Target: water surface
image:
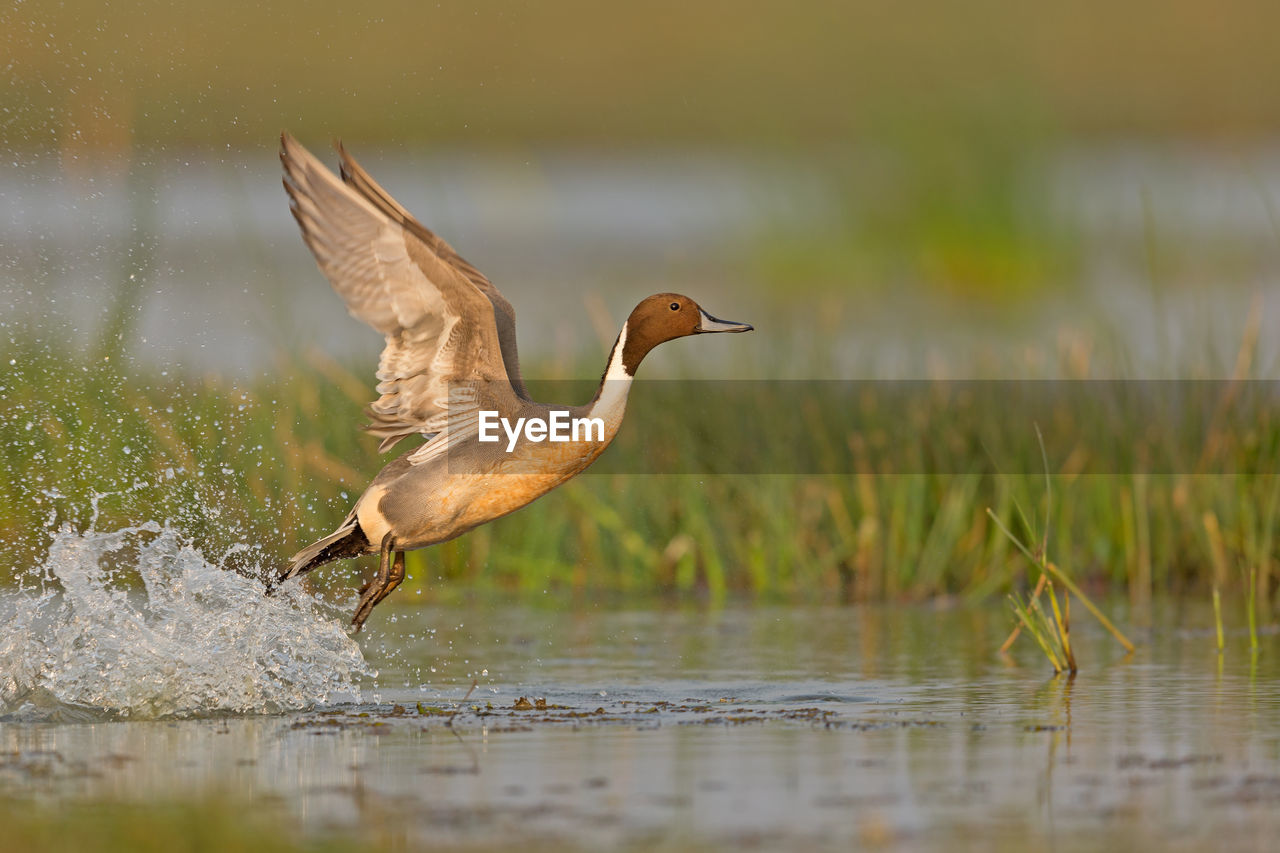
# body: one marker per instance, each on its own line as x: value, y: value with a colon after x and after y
x: 775, y: 727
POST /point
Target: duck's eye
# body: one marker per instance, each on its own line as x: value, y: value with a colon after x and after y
x: 675, y: 306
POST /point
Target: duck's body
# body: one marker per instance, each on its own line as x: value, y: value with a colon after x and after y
x: 433, y: 501
x: 450, y: 369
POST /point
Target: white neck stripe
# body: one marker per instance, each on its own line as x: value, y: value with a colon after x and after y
x: 612, y: 401
x: 616, y: 369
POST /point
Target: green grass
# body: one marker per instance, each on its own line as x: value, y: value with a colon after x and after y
x: 276, y: 462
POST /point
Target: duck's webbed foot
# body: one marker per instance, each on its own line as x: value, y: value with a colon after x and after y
x: 389, y: 576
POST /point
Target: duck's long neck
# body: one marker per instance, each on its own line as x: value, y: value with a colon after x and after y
x: 610, y: 402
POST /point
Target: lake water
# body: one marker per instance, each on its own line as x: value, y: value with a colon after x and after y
x: 576, y: 238
x: 678, y: 725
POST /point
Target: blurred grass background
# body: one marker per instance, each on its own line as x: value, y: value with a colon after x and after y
x: 210, y: 74
x: 927, y: 121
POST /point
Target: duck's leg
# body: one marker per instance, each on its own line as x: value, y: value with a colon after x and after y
x: 370, y: 592
x: 393, y: 580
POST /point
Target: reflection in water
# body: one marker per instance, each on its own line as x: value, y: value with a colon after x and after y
x: 781, y: 726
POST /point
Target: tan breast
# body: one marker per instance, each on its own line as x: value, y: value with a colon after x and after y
x: 531, y: 471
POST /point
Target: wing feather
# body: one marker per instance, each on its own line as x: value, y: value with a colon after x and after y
x: 440, y: 327
x: 354, y: 175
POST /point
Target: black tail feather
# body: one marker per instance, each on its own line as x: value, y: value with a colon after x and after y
x: 347, y: 541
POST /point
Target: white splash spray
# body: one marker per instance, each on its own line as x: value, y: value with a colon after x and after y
x: 197, y: 639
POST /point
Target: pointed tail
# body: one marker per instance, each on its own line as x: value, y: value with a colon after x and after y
x: 347, y: 541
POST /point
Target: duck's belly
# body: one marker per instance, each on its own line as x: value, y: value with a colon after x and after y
x: 425, y: 510
x: 471, y: 504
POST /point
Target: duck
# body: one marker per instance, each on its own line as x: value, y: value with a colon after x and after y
x: 449, y: 372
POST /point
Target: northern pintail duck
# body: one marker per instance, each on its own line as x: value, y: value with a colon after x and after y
x: 449, y: 372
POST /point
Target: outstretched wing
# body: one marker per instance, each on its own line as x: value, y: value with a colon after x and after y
x: 354, y: 175
x: 440, y: 326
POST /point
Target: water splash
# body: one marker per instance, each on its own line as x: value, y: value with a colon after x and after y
x: 79, y: 639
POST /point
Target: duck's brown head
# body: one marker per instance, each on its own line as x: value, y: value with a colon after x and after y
x: 664, y: 317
